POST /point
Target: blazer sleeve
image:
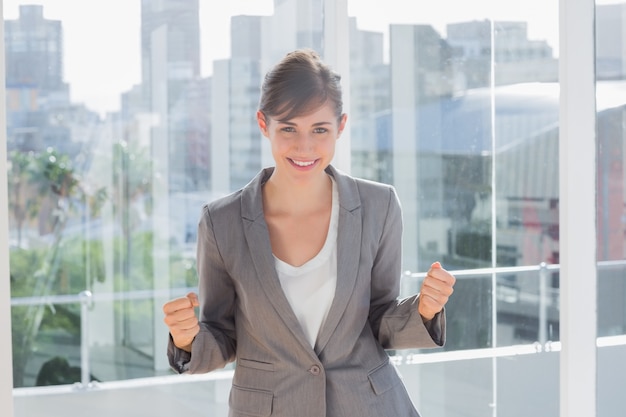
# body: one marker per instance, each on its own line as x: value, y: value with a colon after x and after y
x: 396, y: 322
x: 214, y: 346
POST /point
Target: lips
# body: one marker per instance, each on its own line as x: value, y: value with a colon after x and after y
x: 301, y: 163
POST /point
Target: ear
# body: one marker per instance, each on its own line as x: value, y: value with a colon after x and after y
x: 342, y: 124
x: 260, y: 118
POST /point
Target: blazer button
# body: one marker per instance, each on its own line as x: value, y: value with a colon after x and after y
x: 315, y: 370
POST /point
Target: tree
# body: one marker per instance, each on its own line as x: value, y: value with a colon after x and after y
x: 24, y: 202
x: 59, y: 191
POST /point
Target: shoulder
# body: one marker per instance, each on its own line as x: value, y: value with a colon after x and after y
x: 224, y: 204
x: 377, y: 189
x: 223, y: 211
x: 247, y: 202
x: 367, y: 192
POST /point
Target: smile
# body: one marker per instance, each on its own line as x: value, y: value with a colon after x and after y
x: 302, y: 163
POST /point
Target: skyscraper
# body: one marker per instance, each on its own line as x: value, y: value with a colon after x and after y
x: 35, y: 92
x: 299, y: 24
x: 34, y: 50
x: 170, y: 61
x: 180, y: 22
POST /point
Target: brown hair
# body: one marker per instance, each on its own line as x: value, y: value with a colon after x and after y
x: 298, y: 84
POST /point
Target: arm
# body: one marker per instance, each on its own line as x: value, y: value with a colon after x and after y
x: 214, y: 345
x: 398, y: 324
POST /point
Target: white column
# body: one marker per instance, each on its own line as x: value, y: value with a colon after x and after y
x: 577, y: 171
x: 6, y: 359
x: 404, y: 130
x: 160, y: 191
x: 220, y: 128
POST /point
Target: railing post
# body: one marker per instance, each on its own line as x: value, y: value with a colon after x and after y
x: 86, y: 299
x: 543, y: 304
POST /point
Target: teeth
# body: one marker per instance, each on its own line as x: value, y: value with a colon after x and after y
x: 303, y: 163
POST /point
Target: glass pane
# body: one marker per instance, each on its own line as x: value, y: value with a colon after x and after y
x: 193, y: 398
x: 434, y: 128
x: 457, y: 106
x: 431, y: 384
x: 413, y: 127
x: 111, y: 159
x: 526, y: 100
x: 534, y: 375
x: 528, y: 307
x: 610, y: 48
x: 611, y: 204
x: 611, y: 121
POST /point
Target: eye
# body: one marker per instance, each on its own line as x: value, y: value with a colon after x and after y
x: 288, y: 129
x: 320, y: 130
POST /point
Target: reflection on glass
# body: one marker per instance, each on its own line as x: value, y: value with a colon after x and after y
x: 108, y: 201
x: 611, y: 145
x: 461, y: 117
x: 466, y: 129
x: 527, y: 307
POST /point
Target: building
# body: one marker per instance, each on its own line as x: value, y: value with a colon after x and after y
x: 234, y: 102
x: 611, y: 41
x: 34, y: 51
x: 34, y: 82
x: 517, y: 58
x: 369, y: 97
x: 181, y: 46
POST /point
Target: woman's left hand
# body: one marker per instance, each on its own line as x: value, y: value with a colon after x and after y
x: 435, y: 292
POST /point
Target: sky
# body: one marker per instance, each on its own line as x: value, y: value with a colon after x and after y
x: 99, y: 33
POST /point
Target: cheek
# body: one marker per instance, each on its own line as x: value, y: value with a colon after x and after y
x: 330, y: 144
x: 279, y: 145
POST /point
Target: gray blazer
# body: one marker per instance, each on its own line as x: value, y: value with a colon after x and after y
x: 245, y: 316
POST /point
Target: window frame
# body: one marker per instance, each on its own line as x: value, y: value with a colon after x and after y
x: 6, y: 355
x: 577, y: 208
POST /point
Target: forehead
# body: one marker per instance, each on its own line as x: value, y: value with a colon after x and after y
x: 320, y: 113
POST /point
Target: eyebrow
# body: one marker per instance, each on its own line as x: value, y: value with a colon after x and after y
x: 286, y: 122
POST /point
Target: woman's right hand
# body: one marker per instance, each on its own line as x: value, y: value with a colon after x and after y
x: 180, y: 318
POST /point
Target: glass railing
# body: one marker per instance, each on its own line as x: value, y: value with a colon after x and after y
x: 520, y: 371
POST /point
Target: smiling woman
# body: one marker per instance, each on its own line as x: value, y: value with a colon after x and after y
x: 315, y: 254
x: 457, y: 106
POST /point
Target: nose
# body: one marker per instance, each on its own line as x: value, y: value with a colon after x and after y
x: 305, y: 142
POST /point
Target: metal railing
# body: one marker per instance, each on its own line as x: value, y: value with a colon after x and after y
x: 87, y: 299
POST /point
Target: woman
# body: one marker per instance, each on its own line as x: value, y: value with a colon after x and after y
x: 299, y: 272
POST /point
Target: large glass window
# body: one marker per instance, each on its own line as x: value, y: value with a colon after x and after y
x: 610, y: 47
x: 458, y: 108
x: 611, y: 204
x: 124, y: 117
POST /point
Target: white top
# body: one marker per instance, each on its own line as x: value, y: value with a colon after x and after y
x: 310, y: 288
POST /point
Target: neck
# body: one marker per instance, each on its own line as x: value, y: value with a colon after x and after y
x: 283, y: 195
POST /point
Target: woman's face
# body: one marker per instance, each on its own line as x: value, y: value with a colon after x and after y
x: 303, y: 146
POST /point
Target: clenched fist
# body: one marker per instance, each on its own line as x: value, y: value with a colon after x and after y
x: 436, y: 289
x: 181, y: 319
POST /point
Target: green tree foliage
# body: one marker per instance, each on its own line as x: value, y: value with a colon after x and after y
x: 46, y: 186
x: 51, y: 196
x: 23, y: 202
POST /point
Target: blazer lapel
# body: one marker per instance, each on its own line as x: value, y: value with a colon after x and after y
x: 257, y: 236
x: 348, y: 253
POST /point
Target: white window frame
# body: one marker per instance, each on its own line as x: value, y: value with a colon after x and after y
x: 577, y: 208
x: 6, y: 358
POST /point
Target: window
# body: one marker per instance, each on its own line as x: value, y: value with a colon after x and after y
x: 115, y: 138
